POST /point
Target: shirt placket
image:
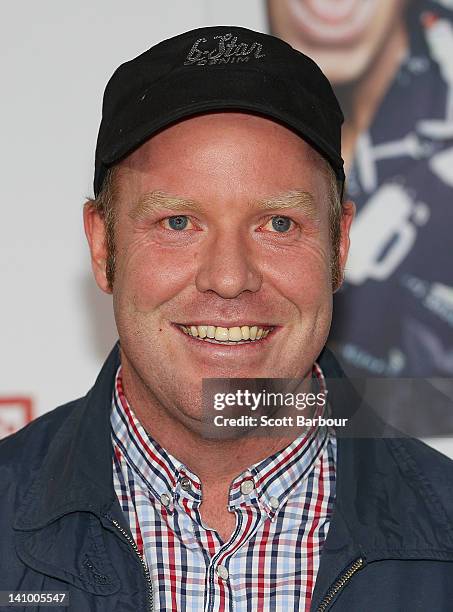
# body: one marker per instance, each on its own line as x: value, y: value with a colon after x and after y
x: 221, y: 570
x: 219, y: 557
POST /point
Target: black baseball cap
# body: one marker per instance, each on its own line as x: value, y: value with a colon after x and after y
x: 217, y: 69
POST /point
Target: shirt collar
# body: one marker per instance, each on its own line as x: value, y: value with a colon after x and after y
x: 273, y: 478
x: 156, y: 469
x: 277, y: 476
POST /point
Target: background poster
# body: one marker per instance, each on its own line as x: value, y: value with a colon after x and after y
x: 391, y: 66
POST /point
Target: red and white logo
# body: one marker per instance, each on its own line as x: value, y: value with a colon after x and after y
x: 15, y: 412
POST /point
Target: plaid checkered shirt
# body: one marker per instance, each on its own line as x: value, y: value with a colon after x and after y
x: 283, y: 506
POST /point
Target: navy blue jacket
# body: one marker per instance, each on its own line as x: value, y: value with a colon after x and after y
x: 389, y: 546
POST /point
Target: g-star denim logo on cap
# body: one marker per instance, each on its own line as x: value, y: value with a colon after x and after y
x: 228, y: 51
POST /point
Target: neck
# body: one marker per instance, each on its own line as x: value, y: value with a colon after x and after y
x: 361, y: 99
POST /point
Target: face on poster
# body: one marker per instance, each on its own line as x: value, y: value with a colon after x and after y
x: 344, y: 36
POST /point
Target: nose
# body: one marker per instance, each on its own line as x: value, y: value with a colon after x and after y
x: 227, y: 265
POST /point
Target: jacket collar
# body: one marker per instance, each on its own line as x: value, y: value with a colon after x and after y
x: 385, y: 503
x: 77, y: 472
x: 385, y: 507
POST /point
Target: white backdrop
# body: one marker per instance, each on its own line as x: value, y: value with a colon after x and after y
x: 56, y: 325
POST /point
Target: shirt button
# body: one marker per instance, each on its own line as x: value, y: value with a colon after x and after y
x: 185, y: 484
x: 222, y: 572
x: 274, y: 503
x: 165, y: 500
x: 247, y: 487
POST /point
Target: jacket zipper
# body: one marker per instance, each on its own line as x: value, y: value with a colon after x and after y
x: 340, y: 584
x: 150, y: 606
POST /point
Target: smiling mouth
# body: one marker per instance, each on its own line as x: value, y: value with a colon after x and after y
x: 244, y: 334
x: 333, y: 21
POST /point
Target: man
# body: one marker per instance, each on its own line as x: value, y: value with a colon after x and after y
x: 391, y: 64
x: 217, y: 225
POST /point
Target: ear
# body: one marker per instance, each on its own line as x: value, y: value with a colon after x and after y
x: 97, y: 241
x: 347, y: 216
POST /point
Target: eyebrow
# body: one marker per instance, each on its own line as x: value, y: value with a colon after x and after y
x: 157, y: 201
x: 297, y: 199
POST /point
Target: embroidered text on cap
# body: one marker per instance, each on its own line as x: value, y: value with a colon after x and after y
x: 228, y: 50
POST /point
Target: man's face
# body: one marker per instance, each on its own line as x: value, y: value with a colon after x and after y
x: 222, y: 220
x: 342, y: 36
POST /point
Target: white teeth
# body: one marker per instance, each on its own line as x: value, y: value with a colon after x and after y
x: 221, y: 333
x: 245, y: 331
x: 234, y: 333
x: 226, y: 334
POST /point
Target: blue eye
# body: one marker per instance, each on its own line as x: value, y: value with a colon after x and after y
x: 281, y: 224
x: 178, y: 223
